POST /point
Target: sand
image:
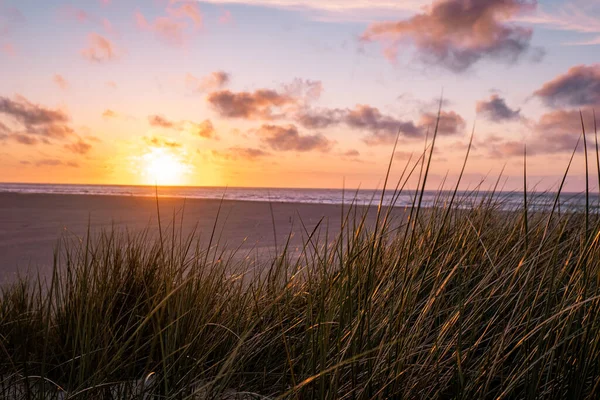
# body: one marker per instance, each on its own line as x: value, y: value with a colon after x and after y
x: 31, y: 224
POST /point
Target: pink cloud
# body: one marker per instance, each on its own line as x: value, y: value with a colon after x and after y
x: 105, y: 2
x: 112, y: 84
x: 60, y: 81
x: 213, y: 81
x: 8, y: 49
x: 226, y: 18
x: 188, y: 10
x: 78, y: 14
x: 100, y: 49
x: 172, y: 29
x: 458, y: 33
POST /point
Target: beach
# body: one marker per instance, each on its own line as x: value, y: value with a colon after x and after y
x: 31, y: 224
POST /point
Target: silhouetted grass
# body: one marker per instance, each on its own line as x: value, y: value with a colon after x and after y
x: 462, y: 300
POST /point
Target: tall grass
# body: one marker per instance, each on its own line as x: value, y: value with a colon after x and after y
x: 462, y: 300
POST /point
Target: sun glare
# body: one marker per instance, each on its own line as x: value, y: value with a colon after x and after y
x: 164, y: 168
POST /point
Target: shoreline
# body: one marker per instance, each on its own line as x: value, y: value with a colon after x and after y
x: 31, y: 224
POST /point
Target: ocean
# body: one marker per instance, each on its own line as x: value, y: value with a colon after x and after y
x: 505, y: 200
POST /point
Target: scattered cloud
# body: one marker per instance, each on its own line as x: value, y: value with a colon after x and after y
x: 8, y: 49
x: 100, y: 49
x: 68, y: 11
x: 112, y: 84
x: 458, y: 33
x: 381, y: 128
x: 287, y: 138
x: 108, y: 113
x: 214, y: 81
x: 579, y: 87
x: 53, y: 162
x: 450, y: 123
x: 156, y: 141
x: 161, y: 122
x: 79, y: 147
x: 240, y: 153
x: 204, y: 129
x: 60, y: 81
x: 495, y: 109
x: 24, y: 139
x: 29, y: 114
x: 172, y: 29
x: 305, y: 89
x: 260, y: 104
x: 226, y: 18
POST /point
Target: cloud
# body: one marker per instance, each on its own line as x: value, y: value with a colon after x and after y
x: 287, y: 138
x: 60, y: 81
x: 450, y: 123
x: 24, y: 139
x: 189, y: 10
x: 305, y: 89
x: 112, y: 84
x: 381, y: 128
x: 458, y: 33
x: 240, y: 153
x: 109, y: 114
x: 172, y: 28
x: 33, y: 124
x: 161, y: 122
x: 100, y: 49
x: 162, y: 142
x: 579, y: 87
x: 105, y: 2
x: 79, y: 147
x: 53, y: 162
x: 260, y: 104
x: 555, y: 132
x: 214, y: 81
x: 8, y: 49
x: 495, y: 109
x: 29, y: 114
x: 361, y: 10
x: 319, y: 118
x: 204, y: 129
x: 226, y: 18
x: 75, y: 13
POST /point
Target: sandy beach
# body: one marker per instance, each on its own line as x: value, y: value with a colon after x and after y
x: 31, y: 224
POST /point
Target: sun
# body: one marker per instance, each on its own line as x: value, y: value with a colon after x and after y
x: 162, y: 167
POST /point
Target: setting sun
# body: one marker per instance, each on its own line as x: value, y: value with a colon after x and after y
x: 164, y: 168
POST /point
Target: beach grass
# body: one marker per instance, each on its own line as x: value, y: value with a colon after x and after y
x: 466, y: 299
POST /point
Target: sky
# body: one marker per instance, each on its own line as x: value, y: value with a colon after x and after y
x: 296, y: 93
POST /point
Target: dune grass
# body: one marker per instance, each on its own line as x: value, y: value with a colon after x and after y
x: 462, y: 300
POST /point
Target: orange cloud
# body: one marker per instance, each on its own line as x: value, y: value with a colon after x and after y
x: 60, y: 81
x: 100, y: 49
x: 214, y: 81
x: 203, y: 129
x: 172, y: 29
x: 79, y: 147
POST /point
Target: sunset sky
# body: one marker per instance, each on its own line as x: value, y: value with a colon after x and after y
x: 293, y: 93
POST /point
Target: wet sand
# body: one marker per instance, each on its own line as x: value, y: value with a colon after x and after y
x: 31, y: 224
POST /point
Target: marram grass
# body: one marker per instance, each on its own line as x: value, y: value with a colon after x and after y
x: 449, y: 302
